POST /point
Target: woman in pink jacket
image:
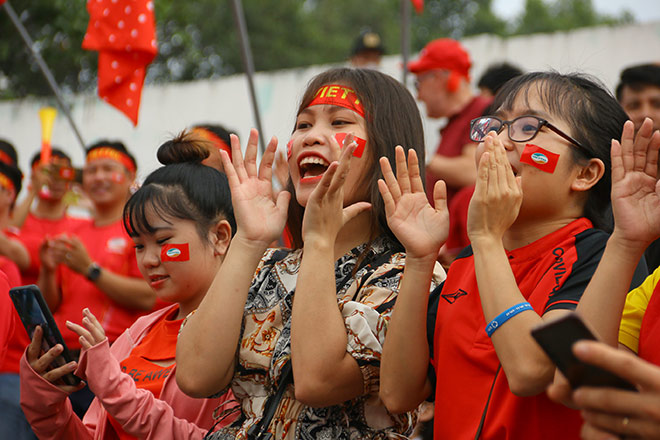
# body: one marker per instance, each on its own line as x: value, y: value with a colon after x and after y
x: 181, y: 221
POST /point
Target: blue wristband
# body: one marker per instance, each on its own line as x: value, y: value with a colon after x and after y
x: 505, y: 316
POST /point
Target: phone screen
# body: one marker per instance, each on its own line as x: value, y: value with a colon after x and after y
x: 32, y: 309
x: 557, y: 338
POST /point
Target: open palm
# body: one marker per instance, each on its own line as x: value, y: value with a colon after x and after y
x: 258, y: 217
x: 421, y: 228
x: 635, y: 191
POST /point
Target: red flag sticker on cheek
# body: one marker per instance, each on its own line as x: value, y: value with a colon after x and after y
x: 540, y: 158
x: 118, y: 177
x: 174, y: 252
x: 359, y: 150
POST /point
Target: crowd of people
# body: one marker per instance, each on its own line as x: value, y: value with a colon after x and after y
x: 369, y: 289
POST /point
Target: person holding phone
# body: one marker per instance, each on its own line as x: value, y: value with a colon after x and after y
x: 181, y: 222
x: 630, y: 319
x: 536, y: 225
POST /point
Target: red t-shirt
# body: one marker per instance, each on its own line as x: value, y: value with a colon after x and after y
x: 551, y: 273
x: 18, y: 339
x: 650, y: 329
x: 158, y: 345
x: 33, y: 233
x: 10, y: 323
x: 453, y: 137
x: 113, y: 250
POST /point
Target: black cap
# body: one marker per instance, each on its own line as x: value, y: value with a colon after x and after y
x: 368, y: 40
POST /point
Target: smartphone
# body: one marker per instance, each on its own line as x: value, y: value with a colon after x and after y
x: 33, y: 310
x: 557, y: 337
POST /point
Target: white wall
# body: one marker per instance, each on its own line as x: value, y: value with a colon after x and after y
x: 167, y: 109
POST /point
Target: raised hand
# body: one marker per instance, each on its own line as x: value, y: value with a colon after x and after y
x: 325, y: 213
x: 40, y: 363
x: 635, y: 191
x: 497, y: 195
x: 421, y: 228
x: 91, y: 334
x: 259, y: 219
x: 76, y: 256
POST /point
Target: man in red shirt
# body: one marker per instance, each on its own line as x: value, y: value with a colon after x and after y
x: 93, y: 265
x: 443, y: 85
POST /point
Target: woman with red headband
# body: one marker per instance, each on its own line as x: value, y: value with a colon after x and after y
x: 302, y: 329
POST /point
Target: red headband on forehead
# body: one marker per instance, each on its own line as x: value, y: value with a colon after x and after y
x: 334, y: 94
x: 4, y: 158
x: 6, y: 183
x: 214, y: 138
x: 111, y: 153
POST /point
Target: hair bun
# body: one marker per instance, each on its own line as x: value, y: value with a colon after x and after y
x: 186, y: 147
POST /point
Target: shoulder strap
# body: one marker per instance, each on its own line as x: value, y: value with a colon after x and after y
x: 258, y: 431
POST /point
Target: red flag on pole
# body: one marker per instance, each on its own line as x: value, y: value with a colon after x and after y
x: 419, y: 5
x: 124, y: 34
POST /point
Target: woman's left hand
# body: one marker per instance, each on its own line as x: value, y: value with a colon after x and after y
x: 91, y: 334
x: 76, y: 256
x: 325, y: 213
x: 497, y: 196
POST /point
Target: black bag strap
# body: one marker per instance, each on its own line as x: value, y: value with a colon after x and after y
x: 483, y: 415
x: 258, y: 430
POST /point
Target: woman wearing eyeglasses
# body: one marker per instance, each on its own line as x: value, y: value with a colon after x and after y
x: 537, y: 224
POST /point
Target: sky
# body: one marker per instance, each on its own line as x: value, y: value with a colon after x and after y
x: 643, y: 10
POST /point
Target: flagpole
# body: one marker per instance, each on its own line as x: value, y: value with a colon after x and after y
x: 43, y: 67
x: 248, y: 64
x: 405, y: 39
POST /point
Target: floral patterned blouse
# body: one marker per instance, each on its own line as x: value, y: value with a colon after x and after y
x: 365, y: 300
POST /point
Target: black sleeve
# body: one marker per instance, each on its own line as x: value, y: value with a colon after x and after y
x: 431, y: 316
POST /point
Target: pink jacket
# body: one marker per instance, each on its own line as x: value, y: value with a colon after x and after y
x: 173, y: 416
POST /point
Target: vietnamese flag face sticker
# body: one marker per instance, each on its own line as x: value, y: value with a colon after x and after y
x: 540, y: 158
x: 174, y: 252
x: 359, y: 150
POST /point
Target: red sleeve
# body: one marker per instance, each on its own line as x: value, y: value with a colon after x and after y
x: 6, y: 315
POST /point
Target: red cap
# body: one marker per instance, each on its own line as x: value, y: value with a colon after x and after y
x: 443, y: 53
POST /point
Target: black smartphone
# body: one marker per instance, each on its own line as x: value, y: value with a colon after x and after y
x: 33, y: 310
x: 557, y: 337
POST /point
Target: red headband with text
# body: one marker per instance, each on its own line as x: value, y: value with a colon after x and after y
x: 4, y: 158
x: 111, y: 153
x: 212, y: 137
x: 334, y: 94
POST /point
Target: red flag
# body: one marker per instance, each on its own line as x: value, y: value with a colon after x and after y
x: 540, y: 158
x: 359, y: 150
x: 124, y: 34
x: 174, y: 252
x: 419, y: 5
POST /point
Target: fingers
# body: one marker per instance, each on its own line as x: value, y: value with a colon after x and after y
x: 641, y: 144
x: 627, y: 140
x: 355, y: 209
x: 230, y: 171
x: 390, y: 181
x: 620, y: 362
x: 616, y: 154
x: 237, y: 158
x: 34, y: 349
x: 652, y: 155
x: 250, y: 160
x: 416, y: 184
x: 440, y: 196
x: 385, y: 193
x: 266, y: 165
x: 402, y: 170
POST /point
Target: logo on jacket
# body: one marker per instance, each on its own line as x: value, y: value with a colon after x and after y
x: 452, y: 297
x: 558, y: 269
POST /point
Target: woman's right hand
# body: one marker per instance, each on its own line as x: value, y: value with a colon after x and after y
x: 635, y: 190
x: 421, y: 228
x: 259, y: 219
x: 41, y: 363
x: 51, y: 253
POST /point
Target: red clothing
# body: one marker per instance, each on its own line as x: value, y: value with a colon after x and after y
x: 453, y: 137
x: 113, y: 250
x: 33, y: 233
x: 458, y: 211
x: 9, y: 319
x: 551, y: 273
x: 650, y: 329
